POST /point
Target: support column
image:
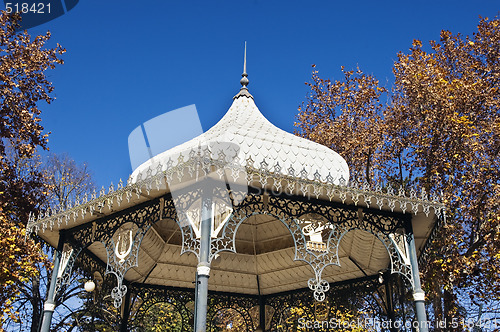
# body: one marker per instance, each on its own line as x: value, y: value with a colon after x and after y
x: 418, y: 293
x: 50, y: 303
x: 126, y: 310
x: 262, y: 313
x: 390, y: 304
x: 195, y: 295
x: 262, y: 310
x: 203, y: 271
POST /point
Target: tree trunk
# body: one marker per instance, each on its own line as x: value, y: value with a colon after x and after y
x: 438, y: 309
x: 36, y: 303
x: 449, y: 310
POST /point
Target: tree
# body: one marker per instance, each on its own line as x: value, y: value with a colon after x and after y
x: 23, y: 63
x: 451, y: 96
x: 23, y: 85
x: 17, y: 259
x: 67, y: 181
x: 346, y: 116
x: 439, y: 130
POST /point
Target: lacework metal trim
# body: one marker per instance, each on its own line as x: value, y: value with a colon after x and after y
x: 179, y: 299
x: 283, y: 302
x: 242, y: 304
x: 425, y: 253
x: 280, y: 179
x: 339, y: 220
x: 307, y: 184
x: 90, y: 264
x: 77, y: 257
x: 288, y: 210
x: 182, y: 300
x: 70, y: 254
x: 119, y: 265
x: 104, y: 231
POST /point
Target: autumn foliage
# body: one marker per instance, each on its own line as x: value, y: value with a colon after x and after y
x: 17, y: 259
x: 23, y: 62
x: 23, y: 85
x: 437, y: 128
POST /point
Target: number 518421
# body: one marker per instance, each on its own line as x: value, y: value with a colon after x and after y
x: 36, y: 8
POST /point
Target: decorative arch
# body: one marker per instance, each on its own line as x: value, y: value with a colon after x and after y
x: 341, y: 221
x: 178, y: 299
x: 104, y: 231
x: 247, y: 319
x: 398, y: 264
x: 243, y: 204
x: 286, y: 310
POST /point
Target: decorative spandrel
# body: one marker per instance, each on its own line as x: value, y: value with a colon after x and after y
x: 104, y: 228
x: 317, y: 229
x: 243, y: 305
x: 69, y: 255
x: 66, y: 254
x: 123, y: 252
x: 221, y: 212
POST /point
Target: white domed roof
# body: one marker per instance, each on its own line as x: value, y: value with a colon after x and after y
x: 247, y: 138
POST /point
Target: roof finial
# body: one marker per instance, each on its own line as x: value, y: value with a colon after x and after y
x: 244, y: 80
x: 245, y: 59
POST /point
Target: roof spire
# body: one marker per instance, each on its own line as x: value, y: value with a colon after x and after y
x: 245, y: 59
x: 244, y: 80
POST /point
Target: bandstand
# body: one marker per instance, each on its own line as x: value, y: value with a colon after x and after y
x: 245, y: 216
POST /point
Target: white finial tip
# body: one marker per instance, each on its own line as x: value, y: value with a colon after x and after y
x: 245, y: 60
x: 244, y: 80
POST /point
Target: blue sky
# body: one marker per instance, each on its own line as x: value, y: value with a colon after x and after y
x: 128, y: 62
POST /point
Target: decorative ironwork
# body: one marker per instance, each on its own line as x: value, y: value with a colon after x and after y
x: 290, y: 196
x: 179, y: 299
x: 103, y: 229
x: 89, y: 264
x: 316, y: 242
x: 339, y: 221
x: 185, y: 208
x: 68, y: 259
x: 318, y: 286
x: 303, y: 183
x: 113, y: 232
x: 424, y: 257
x: 340, y: 295
x: 72, y: 257
x: 241, y: 304
x: 123, y: 252
x: 182, y: 301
